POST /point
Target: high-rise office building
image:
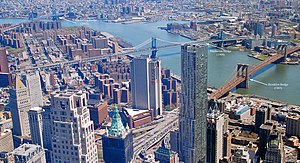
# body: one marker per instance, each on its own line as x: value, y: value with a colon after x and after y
x: 293, y: 126
x: 174, y: 140
x: 118, y: 141
x: 261, y: 117
x: 73, y: 137
x: 194, y: 102
x: 146, y: 86
x: 19, y: 107
x: 40, y: 128
x: 215, y: 130
x: 274, y: 30
x: 259, y: 29
x: 36, y: 125
x: 33, y: 83
x: 3, y: 61
x: 264, y: 133
x: 275, y: 150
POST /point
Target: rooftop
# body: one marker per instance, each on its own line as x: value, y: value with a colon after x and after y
x: 116, y: 129
x: 133, y: 112
x: 164, y: 151
x: 27, y: 150
x: 36, y: 109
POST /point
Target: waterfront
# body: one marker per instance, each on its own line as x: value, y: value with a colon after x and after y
x: 221, y: 64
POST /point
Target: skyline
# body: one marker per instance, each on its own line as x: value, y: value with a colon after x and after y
x: 149, y: 81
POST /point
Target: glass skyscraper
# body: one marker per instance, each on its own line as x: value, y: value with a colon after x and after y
x: 192, y: 118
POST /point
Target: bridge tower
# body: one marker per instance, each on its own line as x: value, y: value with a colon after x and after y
x: 242, y: 71
x: 153, y: 47
x: 221, y: 35
x: 281, y: 49
x: 283, y: 52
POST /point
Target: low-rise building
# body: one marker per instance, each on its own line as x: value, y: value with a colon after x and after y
x: 29, y: 153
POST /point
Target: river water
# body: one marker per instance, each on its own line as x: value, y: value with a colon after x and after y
x: 280, y: 82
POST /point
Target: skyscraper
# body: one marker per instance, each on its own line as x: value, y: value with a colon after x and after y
x: 293, y: 125
x: 146, y: 86
x: 40, y: 128
x: 275, y: 151
x: 118, y: 141
x: 19, y: 107
x: 215, y: 130
x: 193, y: 111
x: 33, y: 83
x: 274, y: 30
x: 73, y: 137
x: 264, y: 133
x: 261, y: 117
x: 36, y: 125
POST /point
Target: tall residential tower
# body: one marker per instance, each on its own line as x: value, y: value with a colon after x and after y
x: 193, y: 111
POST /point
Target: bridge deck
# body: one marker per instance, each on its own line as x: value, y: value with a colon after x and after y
x: 235, y: 81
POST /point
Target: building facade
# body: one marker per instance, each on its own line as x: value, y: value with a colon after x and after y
x: 98, y: 112
x: 36, y: 125
x: 293, y: 126
x: 241, y: 155
x: 19, y: 107
x: 29, y: 153
x: 164, y: 155
x: 194, y: 103
x: 275, y: 150
x: 264, y: 133
x: 73, y: 137
x: 33, y: 83
x: 6, y: 140
x: 146, y: 85
x: 260, y: 118
x: 117, y: 142
x: 3, y: 61
x: 215, y: 130
x: 40, y: 128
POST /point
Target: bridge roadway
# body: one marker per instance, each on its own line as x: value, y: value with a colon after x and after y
x: 145, y: 141
x: 133, y: 51
x: 9, y: 28
x: 236, y: 80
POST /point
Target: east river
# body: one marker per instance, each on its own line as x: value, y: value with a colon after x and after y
x: 280, y: 82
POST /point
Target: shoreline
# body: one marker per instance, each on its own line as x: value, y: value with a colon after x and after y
x: 284, y: 63
x: 241, y: 94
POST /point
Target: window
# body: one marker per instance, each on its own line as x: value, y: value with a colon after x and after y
x: 63, y: 105
x: 77, y: 103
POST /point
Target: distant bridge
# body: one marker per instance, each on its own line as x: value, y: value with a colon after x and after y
x: 240, y: 80
x: 244, y: 73
x: 12, y: 27
x: 137, y: 49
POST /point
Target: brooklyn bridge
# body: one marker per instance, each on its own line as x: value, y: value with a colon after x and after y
x: 240, y: 79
